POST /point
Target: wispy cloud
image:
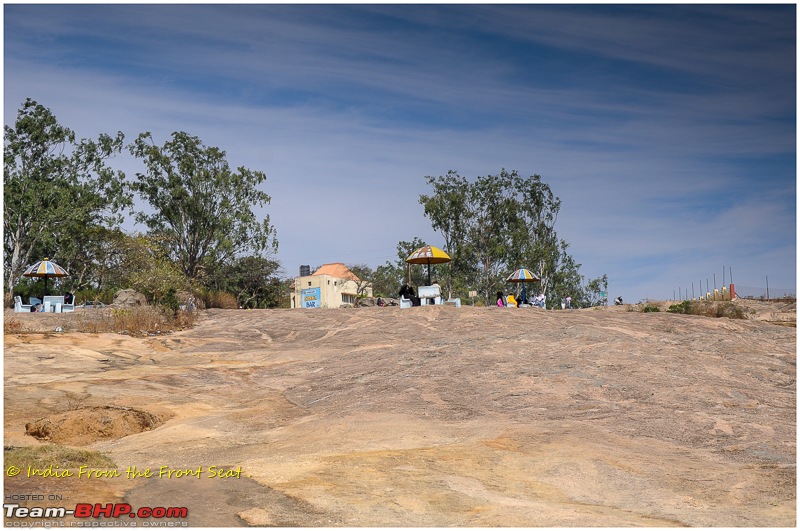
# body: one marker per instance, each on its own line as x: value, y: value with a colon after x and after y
x: 668, y: 131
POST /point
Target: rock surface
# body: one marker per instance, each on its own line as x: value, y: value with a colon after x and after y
x: 434, y: 416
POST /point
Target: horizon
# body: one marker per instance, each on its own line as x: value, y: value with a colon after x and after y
x: 668, y: 132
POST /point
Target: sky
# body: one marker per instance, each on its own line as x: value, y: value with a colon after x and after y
x: 667, y: 131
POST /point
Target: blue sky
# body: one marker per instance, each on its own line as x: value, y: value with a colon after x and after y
x: 668, y: 132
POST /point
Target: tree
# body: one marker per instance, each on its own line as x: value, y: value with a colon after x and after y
x: 202, y: 209
x: 56, y: 191
x: 361, y: 277
x: 448, y: 210
x: 497, y: 224
x: 250, y: 278
x: 145, y: 266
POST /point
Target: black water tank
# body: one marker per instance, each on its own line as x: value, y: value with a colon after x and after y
x: 305, y: 270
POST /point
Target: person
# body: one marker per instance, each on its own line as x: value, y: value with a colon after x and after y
x: 569, y: 302
x: 511, y: 301
x: 523, y: 296
x: 68, y: 298
x: 618, y: 301
x: 380, y: 302
x: 407, y: 292
x: 501, y: 302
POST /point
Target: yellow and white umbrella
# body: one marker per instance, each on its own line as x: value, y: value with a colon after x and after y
x: 45, y: 269
x: 428, y: 255
x: 523, y: 275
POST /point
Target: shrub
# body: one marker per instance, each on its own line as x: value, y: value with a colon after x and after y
x: 709, y: 309
x: 219, y: 299
x: 56, y: 455
x: 134, y: 320
x: 650, y: 308
x: 684, y: 307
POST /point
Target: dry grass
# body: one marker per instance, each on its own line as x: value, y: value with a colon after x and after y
x: 709, y: 309
x: 135, y: 321
x: 56, y: 455
x: 219, y: 299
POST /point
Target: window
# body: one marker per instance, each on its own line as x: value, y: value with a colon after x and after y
x: 348, y: 299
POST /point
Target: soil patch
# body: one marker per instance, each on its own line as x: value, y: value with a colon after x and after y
x: 87, y: 425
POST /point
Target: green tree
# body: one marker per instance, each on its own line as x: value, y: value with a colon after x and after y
x: 497, y: 224
x: 56, y: 191
x: 250, y: 278
x: 143, y: 264
x: 362, y: 278
x: 202, y: 209
x: 448, y: 208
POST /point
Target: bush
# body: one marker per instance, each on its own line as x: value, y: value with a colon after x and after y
x: 56, y: 455
x: 709, y: 309
x: 219, y: 299
x: 134, y: 320
x: 650, y: 308
x: 684, y: 307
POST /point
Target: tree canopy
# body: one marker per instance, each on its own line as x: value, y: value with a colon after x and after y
x: 57, y: 192
x: 202, y: 209
x: 497, y: 224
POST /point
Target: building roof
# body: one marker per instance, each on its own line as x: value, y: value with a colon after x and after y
x: 336, y: 270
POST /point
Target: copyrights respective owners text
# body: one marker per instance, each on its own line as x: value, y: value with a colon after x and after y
x: 55, y: 510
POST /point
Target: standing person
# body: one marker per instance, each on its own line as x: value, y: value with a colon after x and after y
x: 501, y: 301
x: 523, y: 296
x: 569, y: 302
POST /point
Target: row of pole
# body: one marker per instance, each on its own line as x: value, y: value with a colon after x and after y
x: 682, y: 291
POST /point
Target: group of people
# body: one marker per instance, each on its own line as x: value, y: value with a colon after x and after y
x: 407, y: 291
x: 538, y: 300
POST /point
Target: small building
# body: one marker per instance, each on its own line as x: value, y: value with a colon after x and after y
x: 330, y: 286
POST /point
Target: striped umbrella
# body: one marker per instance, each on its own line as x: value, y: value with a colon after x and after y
x: 523, y: 275
x: 428, y: 255
x: 45, y: 269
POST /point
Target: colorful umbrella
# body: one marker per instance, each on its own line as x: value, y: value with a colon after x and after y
x: 523, y: 275
x: 45, y: 269
x: 428, y: 255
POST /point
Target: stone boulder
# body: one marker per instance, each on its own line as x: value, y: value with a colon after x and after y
x: 129, y: 297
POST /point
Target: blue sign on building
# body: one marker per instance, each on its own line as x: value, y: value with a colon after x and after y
x: 310, y: 298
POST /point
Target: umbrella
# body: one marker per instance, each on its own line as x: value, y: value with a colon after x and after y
x: 523, y: 275
x: 428, y: 255
x: 45, y: 269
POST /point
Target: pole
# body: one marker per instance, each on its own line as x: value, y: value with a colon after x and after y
x: 767, y: 287
x: 730, y: 274
x: 693, y: 289
x: 715, y: 281
x: 723, y: 276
